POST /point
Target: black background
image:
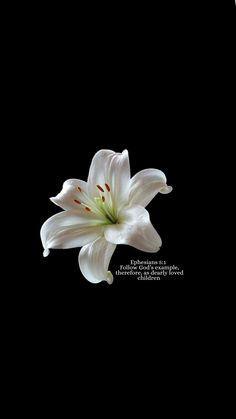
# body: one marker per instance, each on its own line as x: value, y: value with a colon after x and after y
x: 115, y: 111
x: 149, y: 80
x: 136, y: 79
x: 112, y: 84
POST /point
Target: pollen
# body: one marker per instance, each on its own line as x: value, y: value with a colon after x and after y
x: 100, y: 188
x: 77, y: 201
x: 107, y: 187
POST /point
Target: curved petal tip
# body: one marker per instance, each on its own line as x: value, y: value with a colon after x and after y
x: 109, y: 277
x: 166, y: 189
x: 46, y: 252
x: 53, y: 199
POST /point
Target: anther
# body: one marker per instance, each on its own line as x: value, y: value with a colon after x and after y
x: 108, y: 187
x: 103, y: 198
x: 100, y: 188
x: 79, y: 188
x: 87, y: 208
x: 77, y: 201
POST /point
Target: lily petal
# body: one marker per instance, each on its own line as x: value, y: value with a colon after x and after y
x: 94, y: 259
x: 134, y: 229
x: 69, y: 229
x: 146, y: 184
x: 110, y: 168
x: 66, y: 199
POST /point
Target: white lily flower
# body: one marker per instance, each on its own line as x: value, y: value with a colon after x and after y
x: 107, y: 210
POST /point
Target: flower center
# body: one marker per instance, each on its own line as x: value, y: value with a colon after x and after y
x: 103, y: 204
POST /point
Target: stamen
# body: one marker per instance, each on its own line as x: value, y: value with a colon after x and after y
x: 87, y: 208
x: 103, y: 198
x: 77, y: 201
x: 108, y: 187
x: 79, y: 188
x: 100, y: 188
